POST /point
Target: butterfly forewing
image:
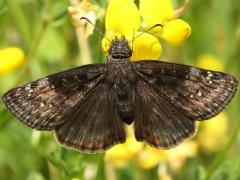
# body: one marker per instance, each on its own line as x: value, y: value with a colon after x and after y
x: 42, y: 104
x: 77, y: 104
x: 199, y: 94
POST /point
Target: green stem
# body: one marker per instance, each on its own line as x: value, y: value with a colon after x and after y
x: 33, y: 49
x: 101, y: 168
x: 220, y: 157
x: 20, y: 21
x: 82, y: 40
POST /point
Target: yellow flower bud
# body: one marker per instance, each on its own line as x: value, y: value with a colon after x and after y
x: 10, y: 59
x: 175, y: 32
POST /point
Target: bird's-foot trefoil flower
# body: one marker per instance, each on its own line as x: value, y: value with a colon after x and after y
x: 10, y: 59
x: 174, y: 31
x: 123, y: 19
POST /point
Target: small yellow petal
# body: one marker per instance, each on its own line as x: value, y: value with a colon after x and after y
x: 148, y: 158
x: 156, y: 11
x: 118, y: 155
x: 133, y: 146
x: 10, y: 59
x: 208, y: 61
x: 175, y: 32
x: 122, y: 16
x: 146, y: 47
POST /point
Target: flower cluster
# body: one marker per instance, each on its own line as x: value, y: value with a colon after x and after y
x: 148, y: 157
x: 211, y: 137
x: 123, y: 18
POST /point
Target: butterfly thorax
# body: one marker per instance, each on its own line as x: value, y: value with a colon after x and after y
x: 120, y: 49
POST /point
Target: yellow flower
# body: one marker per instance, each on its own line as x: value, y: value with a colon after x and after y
x: 156, y: 11
x: 150, y: 157
x: 10, y: 59
x: 85, y: 9
x: 143, y: 45
x: 174, y: 31
x: 119, y: 154
x: 211, y: 62
x: 123, y: 19
x: 176, y: 157
x: 213, y: 133
x: 122, y: 16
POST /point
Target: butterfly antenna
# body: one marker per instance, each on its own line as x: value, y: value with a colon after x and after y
x: 95, y: 27
x: 149, y: 29
x: 133, y: 39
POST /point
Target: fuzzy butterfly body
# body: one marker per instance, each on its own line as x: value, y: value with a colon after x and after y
x: 88, y: 106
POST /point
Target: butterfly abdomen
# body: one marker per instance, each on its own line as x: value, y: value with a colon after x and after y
x: 121, y: 78
x: 125, y: 101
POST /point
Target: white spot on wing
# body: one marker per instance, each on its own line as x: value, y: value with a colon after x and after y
x: 42, y: 105
x: 199, y: 93
x: 194, y: 71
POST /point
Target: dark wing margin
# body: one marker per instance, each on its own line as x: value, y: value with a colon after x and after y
x: 200, y: 94
x: 158, y: 122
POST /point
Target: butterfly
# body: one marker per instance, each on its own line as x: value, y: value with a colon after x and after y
x: 88, y: 106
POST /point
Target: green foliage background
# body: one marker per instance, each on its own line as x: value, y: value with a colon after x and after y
x: 43, y: 30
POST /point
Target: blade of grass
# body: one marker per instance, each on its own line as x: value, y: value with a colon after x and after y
x: 20, y: 21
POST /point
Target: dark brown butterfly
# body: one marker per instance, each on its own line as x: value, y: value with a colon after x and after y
x: 88, y: 106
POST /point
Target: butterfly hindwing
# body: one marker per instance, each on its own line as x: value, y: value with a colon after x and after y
x: 158, y: 121
x: 200, y: 94
x: 95, y: 125
x: 43, y: 103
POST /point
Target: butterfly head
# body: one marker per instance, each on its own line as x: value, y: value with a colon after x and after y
x: 120, y: 48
